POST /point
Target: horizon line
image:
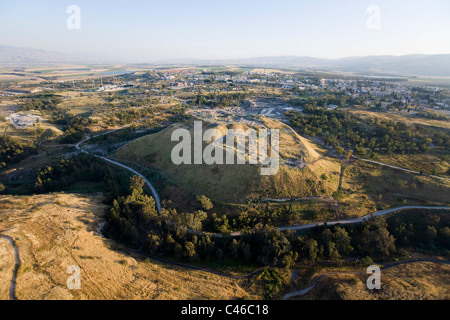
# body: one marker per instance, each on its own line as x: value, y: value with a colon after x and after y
x: 93, y: 56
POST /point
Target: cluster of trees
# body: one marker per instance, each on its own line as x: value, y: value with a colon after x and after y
x: 273, y: 280
x: 83, y: 168
x: 341, y: 129
x: 181, y: 235
x: 215, y: 100
x: 421, y: 230
x: 270, y: 246
x: 78, y: 168
x: 338, y: 99
x: 432, y: 116
x: 265, y: 215
x: 13, y: 150
x: 129, y: 115
x: 132, y: 215
x: 41, y: 102
x: 74, y: 129
x: 74, y: 126
x: 135, y: 220
x: 178, y: 114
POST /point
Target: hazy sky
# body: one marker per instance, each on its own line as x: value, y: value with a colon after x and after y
x: 164, y: 29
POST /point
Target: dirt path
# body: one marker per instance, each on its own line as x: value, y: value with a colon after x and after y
x: 398, y: 168
x: 386, y: 266
x: 12, y: 289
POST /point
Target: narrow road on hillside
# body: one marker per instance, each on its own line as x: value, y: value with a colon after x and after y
x: 359, y: 220
x: 386, y: 266
x: 12, y: 288
x: 347, y: 221
x: 247, y: 276
x: 147, y: 182
x: 399, y: 168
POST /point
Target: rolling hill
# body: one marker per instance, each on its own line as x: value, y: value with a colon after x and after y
x: 299, y: 176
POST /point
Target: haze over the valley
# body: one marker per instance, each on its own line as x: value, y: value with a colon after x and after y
x: 414, y: 64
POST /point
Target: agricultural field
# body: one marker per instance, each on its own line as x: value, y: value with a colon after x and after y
x: 62, y: 73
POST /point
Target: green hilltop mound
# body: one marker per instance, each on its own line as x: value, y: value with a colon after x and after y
x: 301, y: 174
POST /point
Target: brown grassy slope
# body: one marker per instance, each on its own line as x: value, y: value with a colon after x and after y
x: 418, y: 162
x: 416, y: 281
x: 6, y: 268
x: 236, y: 183
x: 56, y: 231
x: 365, y: 182
x: 365, y: 114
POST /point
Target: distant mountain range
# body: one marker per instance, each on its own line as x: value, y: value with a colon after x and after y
x: 13, y: 56
x: 417, y: 64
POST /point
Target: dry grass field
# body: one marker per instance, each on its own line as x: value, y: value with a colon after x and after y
x: 6, y: 268
x: 416, y: 281
x: 418, y: 162
x: 56, y: 231
x: 411, y: 120
x: 369, y: 187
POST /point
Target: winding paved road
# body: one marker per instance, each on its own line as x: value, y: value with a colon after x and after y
x: 147, y: 182
x: 12, y: 288
x: 348, y: 221
x: 359, y: 220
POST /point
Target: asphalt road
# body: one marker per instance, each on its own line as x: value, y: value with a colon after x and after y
x: 349, y: 221
x: 359, y: 220
x: 147, y: 182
